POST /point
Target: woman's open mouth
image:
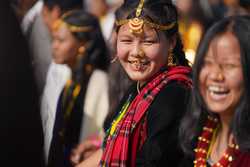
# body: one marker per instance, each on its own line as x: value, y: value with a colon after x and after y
x: 217, y: 93
x: 139, y: 65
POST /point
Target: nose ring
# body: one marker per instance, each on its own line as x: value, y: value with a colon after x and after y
x: 141, y: 53
x: 220, y: 77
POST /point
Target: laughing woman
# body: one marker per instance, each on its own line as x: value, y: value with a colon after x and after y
x: 217, y: 126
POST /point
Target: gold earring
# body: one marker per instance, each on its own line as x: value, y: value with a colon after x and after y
x: 171, y: 58
x: 81, y: 50
x: 113, y: 60
x: 220, y: 77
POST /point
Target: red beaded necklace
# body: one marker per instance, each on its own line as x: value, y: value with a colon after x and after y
x: 204, y: 142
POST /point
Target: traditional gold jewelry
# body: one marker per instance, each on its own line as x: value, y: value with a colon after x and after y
x: 208, y: 129
x: 220, y: 76
x: 72, y: 28
x: 171, y: 58
x: 136, y: 24
x: 80, y: 54
x: 202, y: 150
x: 113, y: 60
x: 141, y: 53
x: 212, y: 118
x: 139, y: 8
x: 81, y: 50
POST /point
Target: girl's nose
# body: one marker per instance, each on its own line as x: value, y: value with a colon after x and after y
x: 137, y: 51
x: 217, y: 74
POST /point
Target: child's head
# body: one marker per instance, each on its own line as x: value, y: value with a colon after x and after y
x: 147, y: 37
x: 78, y: 41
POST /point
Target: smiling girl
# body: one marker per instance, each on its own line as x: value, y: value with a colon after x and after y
x: 143, y: 131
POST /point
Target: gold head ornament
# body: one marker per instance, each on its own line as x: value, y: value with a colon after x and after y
x: 136, y: 24
x: 72, y: 28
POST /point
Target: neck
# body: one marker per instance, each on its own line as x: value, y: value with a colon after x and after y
x: 223, y: 138
x: 73, y: 64
x: 225, y: 121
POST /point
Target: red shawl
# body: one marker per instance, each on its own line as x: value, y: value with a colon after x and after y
x: 121, y: 148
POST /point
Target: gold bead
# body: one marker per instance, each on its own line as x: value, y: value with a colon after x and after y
x: 208, y: 129
x: 230, y: 158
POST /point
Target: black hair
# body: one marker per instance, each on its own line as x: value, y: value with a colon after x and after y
x: 119, y: 83
x: 160, y: 12
x: 64, y: 5
x: 244, y: 3
x: 96, y: 54
x: 197, y: 113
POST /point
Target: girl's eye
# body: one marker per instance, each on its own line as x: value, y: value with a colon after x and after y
x: 58, y: 39
x: 126, y: 40
x: 61, y: 40
x: 148, y: 42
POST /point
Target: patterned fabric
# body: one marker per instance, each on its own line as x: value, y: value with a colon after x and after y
x: 119, y: 151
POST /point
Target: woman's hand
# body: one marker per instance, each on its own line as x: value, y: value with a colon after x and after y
x: 92, y: 161
x: 85, y: 149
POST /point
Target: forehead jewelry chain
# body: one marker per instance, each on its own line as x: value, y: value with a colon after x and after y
x: 136, y: 24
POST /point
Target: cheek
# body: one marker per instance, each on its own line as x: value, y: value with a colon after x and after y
x: 156, y: 53
x: 68, y: 48
x: 236, y: 82
x: 202, y: 81
x: 122, y: 51
x: 66, y: 51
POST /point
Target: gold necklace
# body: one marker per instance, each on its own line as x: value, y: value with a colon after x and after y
x: 204, y: 142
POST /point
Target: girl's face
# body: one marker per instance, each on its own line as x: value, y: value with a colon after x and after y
x: 142, y: 55
x: 221, y: 80
x: 65, y: 46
